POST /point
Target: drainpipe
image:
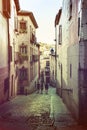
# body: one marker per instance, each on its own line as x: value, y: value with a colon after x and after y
x: 8, y: 56
x: 55, y: 56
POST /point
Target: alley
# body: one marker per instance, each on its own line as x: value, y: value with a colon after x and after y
x: 23, y: 111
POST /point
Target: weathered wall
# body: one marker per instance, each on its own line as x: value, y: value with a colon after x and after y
x: 3, y: 56
x: 68, y: 61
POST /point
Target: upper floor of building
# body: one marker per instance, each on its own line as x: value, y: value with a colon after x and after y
x: 71, y: 22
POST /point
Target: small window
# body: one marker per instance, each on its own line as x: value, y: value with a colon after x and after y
x: 70, y: 10
x: 23, y: 74
x: 47, y: 63
x: 23, y: 49
x: 78, y: 26
x: 30, y: 32
x: 10, y: 53
x: 60, y: 34
x: 23, y: 26
x: 6, y: 85
x: 15, y: 24
x: 47, y: 73
x: 70, y: 70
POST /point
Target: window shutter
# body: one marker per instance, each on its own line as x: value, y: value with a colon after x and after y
x: 16, y: 24
x: 60, y: 34
x: 6, y: 8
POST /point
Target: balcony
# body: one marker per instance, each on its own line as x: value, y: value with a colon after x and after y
x: 23, y: 57
x: 16, y: 57
x: 35, y: 58
x: 31, y: 59
x: 23, y: 31
x: 33, y: 39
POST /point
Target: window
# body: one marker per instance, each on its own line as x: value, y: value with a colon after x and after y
x: 60, y: 34
x: 23, y: 54
x: 23, y: 49
x: 23, y: 26
x: 23, y: 74
x: 30, y: 32
x: 6, y: 85
x: 78, y: 26
x: 31, y: 72
x: 10, y: 53
x: 70, y: 71
x: 47, y: 73
x: 47, y: 63
x: 70, y: 10
x: 16, y: 24
x: 32, y: 38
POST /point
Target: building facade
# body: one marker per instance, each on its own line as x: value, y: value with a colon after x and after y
x: 19, y: 50
x: 71, y: 36
x: 4, y: 43
x: 13, y: 79
x: 52, y: 68
x: 8, y: 11
x: 28, y: 52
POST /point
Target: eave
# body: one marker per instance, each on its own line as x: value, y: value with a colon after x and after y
x: 30, y: 14
x: 58, y: 17
x: 17, y: 5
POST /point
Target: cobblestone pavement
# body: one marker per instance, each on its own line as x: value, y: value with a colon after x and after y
x: 36, y: 112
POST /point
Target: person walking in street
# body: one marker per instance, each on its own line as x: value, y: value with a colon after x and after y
x: 42, y: 81
x: 41, y: 87
x: 38, y: 86
x: 46, y: 88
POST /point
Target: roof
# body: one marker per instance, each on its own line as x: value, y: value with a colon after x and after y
x: 58, y: 17
x: 30, y: 14
x: 17, y: 5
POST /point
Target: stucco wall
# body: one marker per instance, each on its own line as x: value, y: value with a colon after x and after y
x: 3, y: 41
x: 72, y: 60
x: 68, y: 61
x: 3, y: 56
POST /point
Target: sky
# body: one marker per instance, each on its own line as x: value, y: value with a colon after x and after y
x: 44, y: 12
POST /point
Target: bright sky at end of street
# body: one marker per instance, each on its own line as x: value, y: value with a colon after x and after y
x: 44, y: 12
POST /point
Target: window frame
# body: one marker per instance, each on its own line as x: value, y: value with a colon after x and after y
x: 70, y: 9
x: 23, y: 73
x: 23, y: 49
x: 23, y: 26
x: 70, y: 70
x: 16, y: 24
x: 79, y: 26
x: 60, y: 34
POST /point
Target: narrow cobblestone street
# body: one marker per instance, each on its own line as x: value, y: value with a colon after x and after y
x: 36, y: 112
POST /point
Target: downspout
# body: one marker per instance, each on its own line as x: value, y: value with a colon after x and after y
x: 39, y: 59
x: 55, y: 55
x: 8, y: 55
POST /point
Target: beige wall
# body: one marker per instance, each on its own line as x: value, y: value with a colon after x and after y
x: 3, y: 56
x: 68, y: 55
x: 72, y: 58
x: 32, y: 49
x: 3, y: 41
x: 13, y: 80
x: 52, y: 70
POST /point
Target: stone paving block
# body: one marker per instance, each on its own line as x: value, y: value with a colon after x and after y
x: 46, y: 128
x: 18, y: 111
